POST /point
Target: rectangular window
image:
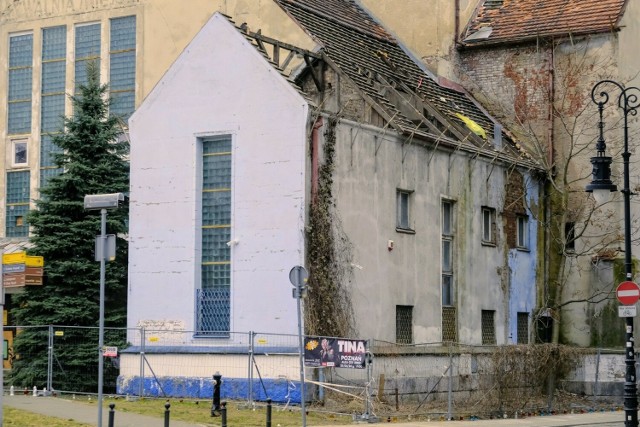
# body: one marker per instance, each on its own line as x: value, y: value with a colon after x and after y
x: 449, y: 323
x: 488, y: 225
x: 122, y: 65
x: 522, y: 239
x: 87, y: 44
x: 54, y: 55
x: 17, y: 205
x: 404, y: 324
x: 447, y: 253
x: 403, y: 201
x: 19, y: 149
x: 214, y: 296
x: 523, y: 328
x: 488, y: 326
x: 20, y: 84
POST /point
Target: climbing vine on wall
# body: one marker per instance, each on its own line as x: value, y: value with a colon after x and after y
x: 328, y: 310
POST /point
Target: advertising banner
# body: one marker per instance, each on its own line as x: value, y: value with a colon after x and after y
x: 334, y: 352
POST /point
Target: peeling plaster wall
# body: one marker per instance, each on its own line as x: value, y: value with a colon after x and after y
x: 219, y: 85
x: 370, y: 167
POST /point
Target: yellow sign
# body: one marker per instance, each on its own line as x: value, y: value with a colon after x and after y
x: 34, y: 261
x: 262, y: 341
x: 59, y: 333
x: 23, y: 258
x: 154, y: 339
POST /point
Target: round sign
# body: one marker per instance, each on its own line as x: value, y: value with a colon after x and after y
x: 628, y: 293
x: 298, y: 276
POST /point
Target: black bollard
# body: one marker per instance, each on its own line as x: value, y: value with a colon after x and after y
x: 268, y: 412
x: 112, y: 413
x: 215, y: 405
x: 223, y: 414
x: 167, y: 414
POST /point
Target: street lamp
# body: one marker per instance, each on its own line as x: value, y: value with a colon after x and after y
x: 601, y: 187
x: 105, y: 248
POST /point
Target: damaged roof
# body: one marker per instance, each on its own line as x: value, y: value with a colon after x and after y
x: 514, y: 21
x: 366, y: 53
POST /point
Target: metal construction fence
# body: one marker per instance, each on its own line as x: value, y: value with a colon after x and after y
x: 421, y: 380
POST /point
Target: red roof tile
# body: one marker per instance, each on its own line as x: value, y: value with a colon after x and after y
x: 520, y: 20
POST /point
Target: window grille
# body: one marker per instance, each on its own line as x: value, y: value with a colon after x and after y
x: 523, y: 328
x: 214, y: 295
x: 17, y: 204
x: 449, y: 325
x: 213, y: 311
x: 447, y: 253
x: 488, y: 327
x: 20, y: 83
x: 404, y: 324
x: 122, y: 68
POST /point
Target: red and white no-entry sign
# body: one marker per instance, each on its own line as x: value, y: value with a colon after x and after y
x: 628, y: 293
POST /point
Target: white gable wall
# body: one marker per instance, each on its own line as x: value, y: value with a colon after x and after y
x: 219, y: 85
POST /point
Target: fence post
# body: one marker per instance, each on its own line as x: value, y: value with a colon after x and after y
x: 368, y: 360
x: 167, y: 414
x: 50, y: 360
x: 268, y: 412
x: 112, y: 414
x: 595, y: 388
x: 223, y: 413
x: 142, y: 342
x: 450, y: 394
x: 251, y: 348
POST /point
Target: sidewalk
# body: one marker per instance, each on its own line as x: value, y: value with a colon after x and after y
x: 83, y: 413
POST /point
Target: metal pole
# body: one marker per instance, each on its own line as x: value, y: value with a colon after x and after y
x: 268, y: 423
x: 628, y: 102
x: 142, y: 343
x: 450, y: 391
x: 50, y: 360
x: 301, y: 351
x: 2, y: 335
x: 630, y: 389
x: 251, y: 335
x: 103, y: 241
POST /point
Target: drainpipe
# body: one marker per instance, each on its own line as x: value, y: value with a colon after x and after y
x: 552, y: 97
x: 314, y: 159
x: 456, y: 35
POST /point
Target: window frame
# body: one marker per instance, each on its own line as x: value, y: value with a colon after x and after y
x: 488, y: 230
x: 522, y: 232
x: 404, y: 315
x: 446, y: 246
x: 14, y: 145
x: 403, y: 211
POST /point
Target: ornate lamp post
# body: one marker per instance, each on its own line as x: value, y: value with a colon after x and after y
x: 601, y: 187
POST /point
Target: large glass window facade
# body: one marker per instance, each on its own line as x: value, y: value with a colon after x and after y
x: 54, y: 54
x: 122, y: 70
x: 17, y: 204
x: 20, y: 83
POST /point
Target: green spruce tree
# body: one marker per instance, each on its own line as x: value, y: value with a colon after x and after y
x: 92, y: 160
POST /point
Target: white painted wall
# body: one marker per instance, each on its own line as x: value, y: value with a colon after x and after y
x: 219, y: 85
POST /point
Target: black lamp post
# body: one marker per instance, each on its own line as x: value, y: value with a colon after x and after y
x: 601, y: 187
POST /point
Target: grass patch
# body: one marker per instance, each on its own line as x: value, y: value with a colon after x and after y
x: 19, y: 418
x: 199, y: 412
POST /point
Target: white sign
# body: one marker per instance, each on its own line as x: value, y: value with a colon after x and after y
x: 110, y: 351
x: 627, y: 311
